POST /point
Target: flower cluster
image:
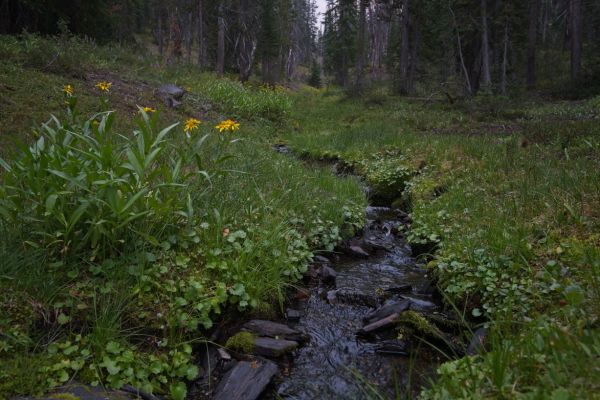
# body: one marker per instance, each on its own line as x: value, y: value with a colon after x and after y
x: 191, y: 124
x: 104, y: 86
x: 68, y: 90
x: 228, y: 125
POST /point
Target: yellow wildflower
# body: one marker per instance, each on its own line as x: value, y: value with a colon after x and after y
x: 104, y: 86
x: 228, y: 125
x: 191, y: 124
x: 149, y: 109
x: 68, y: 90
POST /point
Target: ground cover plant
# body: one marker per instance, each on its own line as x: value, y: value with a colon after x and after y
x: 509, y: 217
x: 129, y: 231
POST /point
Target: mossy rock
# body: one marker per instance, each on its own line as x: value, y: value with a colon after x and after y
x: 242, y: 342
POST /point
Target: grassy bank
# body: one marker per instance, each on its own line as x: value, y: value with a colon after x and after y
x: 505, y: 194
x: 126, y: 241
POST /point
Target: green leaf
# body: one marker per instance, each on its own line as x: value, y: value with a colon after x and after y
x: 113, y: 347
x: 574, y: 294
x: 50, y: 203
x: 178, y: 391
x: 63, y: 319
x: 191, y: 372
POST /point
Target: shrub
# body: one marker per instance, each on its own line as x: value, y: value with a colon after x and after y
x: 81, y: 186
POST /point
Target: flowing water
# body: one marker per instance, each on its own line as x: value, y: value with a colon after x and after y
x: 339, y: 364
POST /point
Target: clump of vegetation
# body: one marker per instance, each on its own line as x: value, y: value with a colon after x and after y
x: 242, y: 342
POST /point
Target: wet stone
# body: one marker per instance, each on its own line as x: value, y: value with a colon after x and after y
x: 394, y: 347
x: 269, y: 347
x: 357, y: 251
x: 292, y: 315
x: 391, y: 307
x: 327, y: 275
x: 321, y: 260
x: 351, y: 296
x: 274, y: 330
x: 224, y: 354
x: 478, y: 342
x: 399, y: 289
x: 421, y: 305
x: 246, y: 381
x: 379, y: 325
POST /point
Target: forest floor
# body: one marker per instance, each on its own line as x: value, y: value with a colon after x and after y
x: 503, y: 194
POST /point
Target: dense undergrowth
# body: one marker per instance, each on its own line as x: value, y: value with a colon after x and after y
x: 127, y: 234
x: 505, y: 195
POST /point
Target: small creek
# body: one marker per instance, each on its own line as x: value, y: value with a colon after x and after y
x: 336, y: 363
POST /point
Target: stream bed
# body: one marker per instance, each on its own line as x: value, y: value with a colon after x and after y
x: 339, y: 361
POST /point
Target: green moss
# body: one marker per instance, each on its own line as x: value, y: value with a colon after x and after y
x: 242, y: 342
x: 411, y: 322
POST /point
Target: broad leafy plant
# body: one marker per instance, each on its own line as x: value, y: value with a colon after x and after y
x: 83, y: 187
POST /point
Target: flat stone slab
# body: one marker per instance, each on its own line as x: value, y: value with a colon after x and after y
x: 246, y: 381
x: 269, y: 347
x: 386, y: 310
x: 84, y: 392
x: 421, y: 305
x: 384, y: 323
x: 273, y: 330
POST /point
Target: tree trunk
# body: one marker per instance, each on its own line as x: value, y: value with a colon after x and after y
x: 221, y: 40
x: 414, y: 56
x: 160, y: 34
x: 201, y: 40
x: 176, y: 33
x: 361, y: 50
x: 485, y: 48
x: 461, y: 55
x: 189, y: 36
x: 503, y: 78
x: 246, y: 43
x: 404, y: 48
x: 534, y: 13
x: 576, y: 36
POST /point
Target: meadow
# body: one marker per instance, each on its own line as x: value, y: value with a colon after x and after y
x: 131, y: 230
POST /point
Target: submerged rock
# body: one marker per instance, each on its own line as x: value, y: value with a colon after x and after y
x: 274, y: 330
x: 327, y: 275
x: 292, y: 315
x: 246, y: 381
x: 394, y: 347
x: 351, y: 296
